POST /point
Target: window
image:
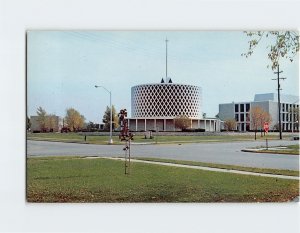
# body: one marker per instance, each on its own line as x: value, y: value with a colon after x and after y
x: 237, y: 117
x: 236, y: 108
x: 247, y: 117
x: 247, y: 107
x: 242, y: 117
x: 247, y: 127
x: 242, y: 107
x: 242, y: 127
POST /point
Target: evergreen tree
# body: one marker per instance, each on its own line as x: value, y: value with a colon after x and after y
x: 42, y: 118
x: 106, y: 118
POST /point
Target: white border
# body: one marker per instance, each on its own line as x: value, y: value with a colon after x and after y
x: 18, y: 16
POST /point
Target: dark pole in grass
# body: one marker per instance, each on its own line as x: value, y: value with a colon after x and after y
x: 129, y: 153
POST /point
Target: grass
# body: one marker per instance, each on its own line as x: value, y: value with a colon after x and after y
x: 292, y: 150
x: 224, y: 166
x: 70, y: 137
x: 75, y: 179
x: 78, y: 138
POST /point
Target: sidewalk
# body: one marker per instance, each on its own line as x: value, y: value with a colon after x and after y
x: 208, y: 168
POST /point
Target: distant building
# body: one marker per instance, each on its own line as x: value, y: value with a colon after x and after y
x: 240, y: 111
x: 154, y: 107
x: 100, y: 126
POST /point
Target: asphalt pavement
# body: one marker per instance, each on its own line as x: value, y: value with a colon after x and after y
x: 222, y: 153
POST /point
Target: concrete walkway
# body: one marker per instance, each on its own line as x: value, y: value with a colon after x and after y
x: 206, y: 168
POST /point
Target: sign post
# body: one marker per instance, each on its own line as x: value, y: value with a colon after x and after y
x: 266, y: 129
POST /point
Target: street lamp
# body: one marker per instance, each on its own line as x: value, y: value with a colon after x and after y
x: 110, y: 123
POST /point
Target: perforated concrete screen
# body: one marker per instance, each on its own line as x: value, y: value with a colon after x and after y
x: 166, y: 100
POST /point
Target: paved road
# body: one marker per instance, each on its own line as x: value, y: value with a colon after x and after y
x: 223, y: 153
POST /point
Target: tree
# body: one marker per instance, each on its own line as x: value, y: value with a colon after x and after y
x: 91, y: 126
x: 42, y: 118
x: 106, y: 118
x: 73, y: 119
x: 283, y: 44
x: 51, y: 122
x: 230, y: 124
x: 28, y: 123
x: 258, y: 118
x: 265, y: 117
x: 182, y: 122
x: 255, y: 113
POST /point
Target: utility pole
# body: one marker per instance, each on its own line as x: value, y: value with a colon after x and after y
x: 279, y: 105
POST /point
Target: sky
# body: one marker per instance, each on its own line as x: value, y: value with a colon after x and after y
x: 64, y: 66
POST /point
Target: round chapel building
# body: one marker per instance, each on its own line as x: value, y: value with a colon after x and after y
x: 155, y: 106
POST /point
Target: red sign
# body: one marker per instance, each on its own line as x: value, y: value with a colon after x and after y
x: 266, y: 127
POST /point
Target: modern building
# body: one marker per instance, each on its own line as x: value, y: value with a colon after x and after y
x: 155, y: 106
x: 240, y: 111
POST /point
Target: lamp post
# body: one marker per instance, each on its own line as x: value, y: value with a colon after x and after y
x: 110, y: 123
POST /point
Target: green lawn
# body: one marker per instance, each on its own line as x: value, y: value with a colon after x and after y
x: 65, y: 179
x: 224, y: 166
x: 70, y: 137
x: 292, y: 149
x: 79, y: 138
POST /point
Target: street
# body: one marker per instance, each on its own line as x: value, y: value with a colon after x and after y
x: 222, y: 153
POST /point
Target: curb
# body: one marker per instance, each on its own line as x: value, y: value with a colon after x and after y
x: 265, y: 152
